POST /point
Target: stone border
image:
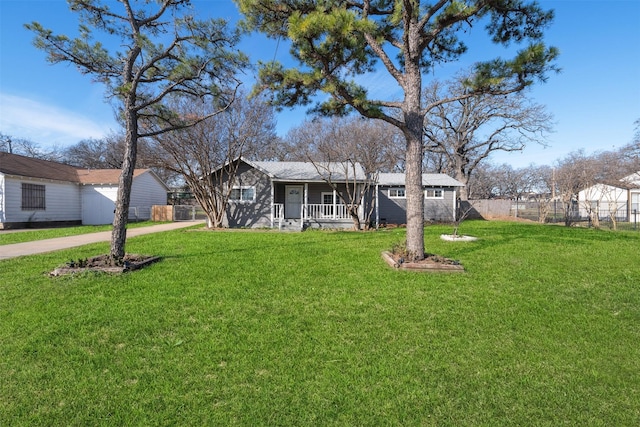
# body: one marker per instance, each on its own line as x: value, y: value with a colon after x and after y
x: 427, y: 266
x: 462, y: 238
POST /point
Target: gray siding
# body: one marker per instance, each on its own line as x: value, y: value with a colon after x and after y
x: 253, y: 214
x: 394, y: 210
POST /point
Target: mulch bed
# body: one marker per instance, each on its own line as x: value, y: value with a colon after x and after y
x: 102, y: 263
x: 430, y: 263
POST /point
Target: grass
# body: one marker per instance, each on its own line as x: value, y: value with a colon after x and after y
x: 314, y: 329
x: 8, y: 238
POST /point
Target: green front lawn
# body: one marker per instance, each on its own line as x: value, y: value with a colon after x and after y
x: 313, y: 328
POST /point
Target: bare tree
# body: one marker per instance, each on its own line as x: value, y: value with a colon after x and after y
x: 92, y: 154
x: 572, y: 174
x: 542, y: 189
x: 205, y: 154
x: 108, y: 153
x: 165, y: 51
x: 467, y: 130
x: 351, y: 146
x: 483, y: 183
x: 28, y: 148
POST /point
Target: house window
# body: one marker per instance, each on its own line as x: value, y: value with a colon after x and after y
x: 33, y: 197
x: 433, y: 193
x: 243, y: 194
x: 327, y: 205
x: 397, y: 193
x: 635, y: 202
x: 327, y: 198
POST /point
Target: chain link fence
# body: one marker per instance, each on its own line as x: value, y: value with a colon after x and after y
x: 552, y: 212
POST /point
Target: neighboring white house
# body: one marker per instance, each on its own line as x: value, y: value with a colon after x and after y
x: 620, y: 199
x: 36, y: 192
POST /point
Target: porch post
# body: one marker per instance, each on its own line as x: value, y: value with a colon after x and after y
x: 272, y: 203
x: 455, y: 205
x: 304, y: 205
x: 377, y: 207
x: 362, y: 202
x: 335, y: 207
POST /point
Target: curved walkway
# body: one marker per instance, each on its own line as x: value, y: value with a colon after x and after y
x: 50, y: 245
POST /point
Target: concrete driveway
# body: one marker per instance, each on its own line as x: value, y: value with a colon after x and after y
x: 50, y: 245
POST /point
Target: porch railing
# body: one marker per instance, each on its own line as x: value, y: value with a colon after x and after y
x: 312, y: 211
x: 324, y: 211
x: 278, y: 214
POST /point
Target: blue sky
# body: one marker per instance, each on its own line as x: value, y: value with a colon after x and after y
x: 594, y: 101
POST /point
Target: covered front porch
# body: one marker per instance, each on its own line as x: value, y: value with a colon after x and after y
x: 300, y: 205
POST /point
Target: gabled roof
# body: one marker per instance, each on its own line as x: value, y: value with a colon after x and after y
x: 103, y: 176
x: 28, y: 167
x: 14, y: 164
x: 622, y: 185
x: 633, y: 178
x: 428, y: 180
x: 307, y: 171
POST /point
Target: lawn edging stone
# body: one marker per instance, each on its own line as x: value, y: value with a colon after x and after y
x: 431, y: 263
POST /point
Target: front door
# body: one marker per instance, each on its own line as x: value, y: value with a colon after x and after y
x: 293, y: 201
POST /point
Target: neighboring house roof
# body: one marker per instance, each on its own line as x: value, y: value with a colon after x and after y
x: 633, y: 178
x: 14, y: 164
x: 308, y: 171
x: 428, y: 180
x: 622, y: 185
x: 103, y: 176
x: 28, y: 167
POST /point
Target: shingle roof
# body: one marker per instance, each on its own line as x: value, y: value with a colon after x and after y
x: 14, y: 164
x: 428, y: 180
x: 103, y: 176
x: 307, y: 171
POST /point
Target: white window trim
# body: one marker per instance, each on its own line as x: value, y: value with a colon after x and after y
x: 328, y: 193
x: 328, y: 213
x: 243, y: 187
x: 397, y: 197
x: 441, y: 190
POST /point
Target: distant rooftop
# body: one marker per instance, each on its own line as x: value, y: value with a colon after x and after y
x: 307, y: 171
x: 428, y: 180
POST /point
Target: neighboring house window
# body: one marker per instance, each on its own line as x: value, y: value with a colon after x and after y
x: 33, y: 197
x: 397, y: 193
x: 243, y: 194
x: 433, y: 193
x: 635, y: 203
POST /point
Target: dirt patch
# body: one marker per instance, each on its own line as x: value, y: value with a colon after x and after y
x: 430, y: 262
x: 102, y: 263
x: 507, y: 218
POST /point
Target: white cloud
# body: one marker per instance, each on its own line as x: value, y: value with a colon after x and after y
x: 46, y: 124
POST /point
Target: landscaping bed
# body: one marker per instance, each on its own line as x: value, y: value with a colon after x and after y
x: 102, y: 263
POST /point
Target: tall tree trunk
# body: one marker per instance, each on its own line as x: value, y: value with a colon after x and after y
x: 355, y: 217
x: 463, y: 191
x: 413, y: 186
x: 119, y: 232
